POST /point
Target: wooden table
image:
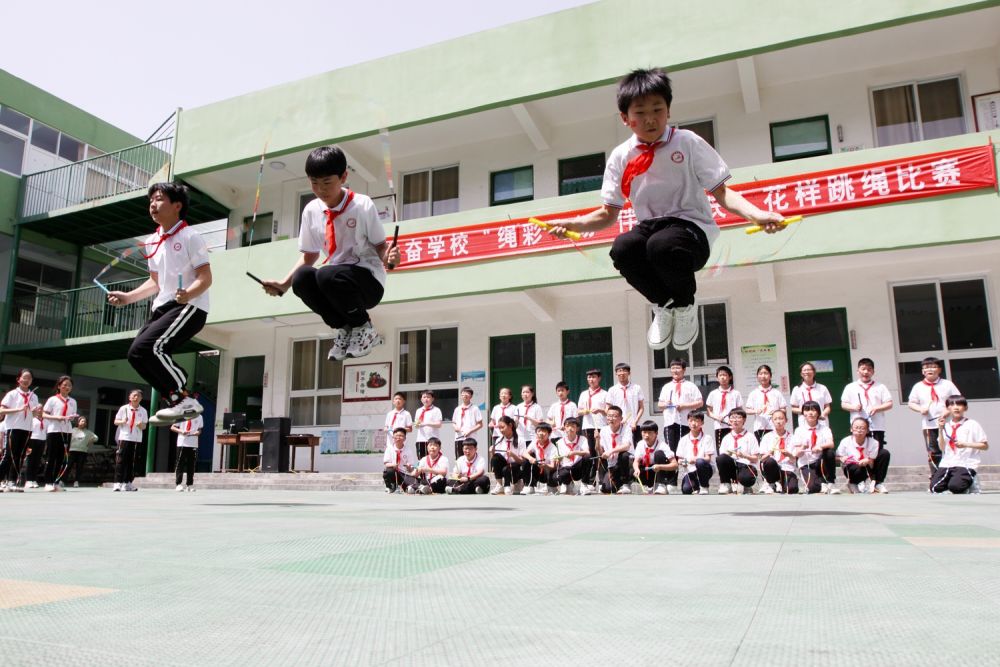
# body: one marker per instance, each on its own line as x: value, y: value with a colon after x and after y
x: 252, y: 438
x: 303, y: 440
x: 240, y: 442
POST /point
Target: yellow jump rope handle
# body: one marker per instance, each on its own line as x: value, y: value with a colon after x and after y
x: 575, y: 236
x: 787, y: 221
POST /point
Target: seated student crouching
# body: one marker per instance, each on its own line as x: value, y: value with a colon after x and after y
x: 398, y: 464
x: 469, y: 475
x: 575, y: 461
x: 654, y: 465
x: 864, y: 465
x: 960, y: 439
x: 777, y: 463
x: 695, y: 454
x: 738, y: 457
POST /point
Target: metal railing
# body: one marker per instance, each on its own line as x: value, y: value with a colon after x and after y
x: 96, y: 178
x: 44, y: 318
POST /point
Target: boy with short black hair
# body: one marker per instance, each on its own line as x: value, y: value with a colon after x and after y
x: 427, y: 422
x: 432, y: 470
x: 590, y: 407
x: 351, y: 280
x: 961, y: 440
x: 561, y: 410
x: 179, y: 277
x: 541, y: 465
x: 574, y: 461
x: 695, y: 453
x: 777, y: 463
x: 864, y: 464
x: 187, y: 450
x: 467, y: 419
x: 677, y: 399
x: 615, y: 448
x: 929, y: 398
x: 738, y: 456
x: 721, y: 401
x: 470, y: 471
x: 629, y: 399
x: 811, y: 440
x: 398, y: 472
x: 664, y: 172
x: 868, y: 399
x: 654, y: 464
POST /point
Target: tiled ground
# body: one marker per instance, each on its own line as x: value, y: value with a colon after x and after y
x: 92, y: 577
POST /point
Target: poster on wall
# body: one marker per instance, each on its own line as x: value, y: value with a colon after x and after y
x: 987, y: 111
x: 752, y: 356
x: 476, y: 380
x: 367, y: 382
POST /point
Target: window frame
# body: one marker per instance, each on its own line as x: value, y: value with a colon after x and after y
x: 696, y: 121
x: 430, y: 188
x: 914, y: 83
x: 945, y: 354
x: 315, y: 393
x: 434, y: 386
x: 566, y: 160
x: 798, y: 156
x: 28, y: 145
x: 514, y: 200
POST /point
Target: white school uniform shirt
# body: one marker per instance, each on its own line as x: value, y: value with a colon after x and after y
x: 771, y: 445
x: 803, y: 438
x: 547, y: 456
x: 525, y: 427
x: 733, y: 399
x: 15, y: 398
x: 769, y: 400
x: 642, y: 448
x: 465, y: 417
x: 438, y: 467
x: 818, y: 393
x: 466, y: 468
x: 740, y: 446
x: 851, y: 452
x: 611, y: 441
x: 501, y: 410
x: 559, y: 412
x: 673, y: 393
x: 38, y: 429
x: 565, y: 447
x: 357, y: 229
x: 405, y: 459
x: 397, y: 419
x: 133, y: 433
x: 189, y: 428
x: 868, y: 395
x: 56, y: 406
x: 504, y: 446
x: 595, y: 400
x: 675, y: 184
x: 428, y: 415
x: 686, y: 449
x: 178, y: 255
x: 968, y: 430
x: 627, y: 398
x: 922, y: 396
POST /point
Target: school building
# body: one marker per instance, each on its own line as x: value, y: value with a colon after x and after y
x: 876, y: 121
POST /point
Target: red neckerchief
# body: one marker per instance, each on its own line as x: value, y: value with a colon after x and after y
x: 736, y: 442
x: 431, y: 464
x: 641, y: 163
x: 163, y: 237
x: 331, y: 233
x: 813, y: 438
x: 590, y: 397
x: 781, y: 448
x: 648, y: 457
x: 65, y: 402
x: 187, y: 428
x: 468, y: 465
x: 131, y: 421
x: 722, y: 404
x: 953, y: 438
x: 694, y: 446
x: 524, y: 418
x: 27, y: 400
x: 934, y: 396
x: 809, y: 390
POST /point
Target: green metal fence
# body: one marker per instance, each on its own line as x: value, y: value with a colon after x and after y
x: 96, y: 178
x: 43, y: 318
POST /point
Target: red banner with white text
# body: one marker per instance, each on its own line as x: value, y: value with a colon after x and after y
x: 929, y: 175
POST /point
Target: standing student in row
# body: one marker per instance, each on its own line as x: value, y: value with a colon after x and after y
x: 504, y: 409
x: 763, y: 401
x: 929, y: 398
x: 627, y: 396
x: 590, y: 407
x: 17, y: 408
x: 188, y: 433
x: 529, y: 415
x: 59, y: 412
x: 131, y: 421
x: 677, y: 399
x: 32, y: 470
x: 427, y: 422
x: 467, y: 419
x: 79, y: 446
x: 868, y: 399
x: 721, y: 402
x: 561, y: 410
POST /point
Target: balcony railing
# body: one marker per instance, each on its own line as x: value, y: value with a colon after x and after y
x: 44, y: 318
x: 123, y: 171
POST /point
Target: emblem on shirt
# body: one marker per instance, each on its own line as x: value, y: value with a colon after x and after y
x: 177, y: 247
x: 352, y: 223
x: 677, y: 157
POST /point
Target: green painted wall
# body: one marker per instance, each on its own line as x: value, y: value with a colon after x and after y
x: 960, y: 218
x: 574, y: 49
x: 8, y: 203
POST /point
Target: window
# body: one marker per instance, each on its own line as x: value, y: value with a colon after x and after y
x: 18, y: 130
x: 14, y: 120
x: 304, y: 200
x: 428, y: 358
x: 804, y: 137
x: 512, y: 185
x: 430, y: 192
x: 950, y: 320
x: 71, y: 149
x: 581, y: 174
x: 261, y: 231
x: 918, y: 111
x: 316, y: 391
x: 44, y: 137
x: 703, y: 128
x: 709, y: 351
x: 11, y: 153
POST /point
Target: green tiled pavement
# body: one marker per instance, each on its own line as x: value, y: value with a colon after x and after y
x: 92, y: 577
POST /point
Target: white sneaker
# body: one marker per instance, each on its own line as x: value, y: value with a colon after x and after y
x: 725, y: 489
x: 586, y: 489
x: 449, y: 490
x: 853, y: 488
x: 625, y: 490
x: 528, y: 491
x: 116, y: 487
x: 673, y: 490
x: 497, y: 490
x: 479, y: 491
x: 660, y: 490
x: 871, y: 485
x: 703, y: 491
x: 187, y: 408
x: 768, y: 490
x: 425, y: 490
x: 51, y: 487
x: 881, y: 488
x: 363, y: 340
x: 338, y: 351
x: 508, y: 491
x: 131, y: 487
x: 824, y: 487
x: 661, y: 329
x: 563, y: 490
x: 180, y: 488
x: 777, y: 487
x: 685, y: 327
x: 411, y: 491
x: 76, y: 485
x: 546, y: 491
x: 191, y: 489
x: 32, y: 485
x: 833, y: 490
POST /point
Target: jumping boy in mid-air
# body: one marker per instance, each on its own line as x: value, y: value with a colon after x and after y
x: 351, y: 280
x: 664, y: 172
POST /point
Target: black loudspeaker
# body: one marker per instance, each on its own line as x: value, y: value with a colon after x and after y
x: 274, y: 445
